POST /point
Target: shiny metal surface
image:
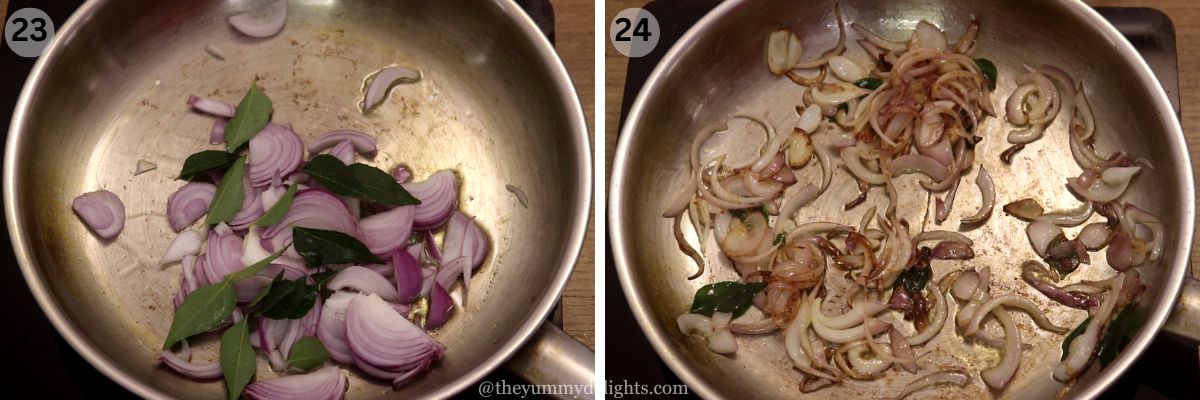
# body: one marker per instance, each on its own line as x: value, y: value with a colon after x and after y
x: 554, y: 356
x: 495, y: 105
x: 717, y: 70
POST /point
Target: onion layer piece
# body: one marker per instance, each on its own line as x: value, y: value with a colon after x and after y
x: 464, y: 238
x: 783, y: 51
x: 211, y: 107
x: 936, y: 378
x: 275, y: 152
x: 987, y: 189
x: 439, y: 197
x: 262, y: 23
x: 382, y: 82
x: 331, y: 327
x: 439, y: 308
x: 102, y: 211
x: 388, y: 230
x: 408, y: 276
x: 363, y: 143
x: 186, y: 244
x: 189, y: 369
x: 363, y: 280
x: 311, y: 208
x: 385, y: 340
x: 326, y: 383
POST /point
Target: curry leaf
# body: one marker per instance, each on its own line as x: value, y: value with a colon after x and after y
x: 358, y: 180
x: 308, y: 353
x: 287, y: 299
x: 320, y: 247
x: 204, y: 162
x: 379, y: 186
x: 330, y: 172
x: 279, y: 209
x: 253, y: 114
x: 1118, y: 334
x: 237, y: 358
x: 730, y: 297
x: 202, y: 310
x: 869, y: 83
x: 989, y: 71
x: 228, y: 200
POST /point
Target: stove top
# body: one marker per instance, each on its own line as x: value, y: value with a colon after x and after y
x: 1150, y: 31
x: 44, y: 360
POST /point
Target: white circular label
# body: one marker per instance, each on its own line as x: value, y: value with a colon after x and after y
x: 28, y: 31
x: 634, y: 32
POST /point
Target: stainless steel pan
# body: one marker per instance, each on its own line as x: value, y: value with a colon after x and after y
x: 717, y: 70
x: 495, y: 104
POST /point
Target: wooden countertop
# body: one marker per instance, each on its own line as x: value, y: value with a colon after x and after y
x: 1184, y: 13
x: 573, y: 26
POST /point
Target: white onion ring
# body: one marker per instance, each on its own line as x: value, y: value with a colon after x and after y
x: 936, y: 378
x: 1014, y: 301
x: 987, y: 190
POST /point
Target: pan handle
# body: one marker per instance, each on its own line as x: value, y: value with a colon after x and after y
x: 1185, y: 318
x: 554, y: 358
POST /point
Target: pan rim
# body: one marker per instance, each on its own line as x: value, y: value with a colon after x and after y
x: 578, y: 217
x: 1172, y: 279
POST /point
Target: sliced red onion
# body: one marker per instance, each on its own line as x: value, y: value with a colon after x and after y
x: 252, y: 208
x: 217, y: 134
x: 408, y: 276
x: 384, y: 339
x: 918, y: 163
x: 439, y: 308
x: 265, y: 22
x: 951, y: 250
x: 186, y: 244
x: 211, y: 107
x: 428, y: 277
x: 434, y: 250
x: 102, y: 211
x: 199, y: 271
x: 189, y: 203
x: 290, y: 337
x: 449, y: 271
x: 311, y: 208
x: 188, y: 281
x: 270, y: 333
x: 439, y: 198
x: 308, y: 324
x: 274, y: 152
x: 326, y: 383
x: 363, y: 280
x: 191, y: 370
x: 382, y: 269
x: 382, y: 82
x: 416, y: 250
x: 223, y: 256
x: 331, y: 327
x: 363, y: 143
x: 344, y: 152
x: 388, y: 230
x: 464, y: 238
x: 402, y: 173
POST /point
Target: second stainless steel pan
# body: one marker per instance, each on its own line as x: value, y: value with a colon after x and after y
x: 718, y: 69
